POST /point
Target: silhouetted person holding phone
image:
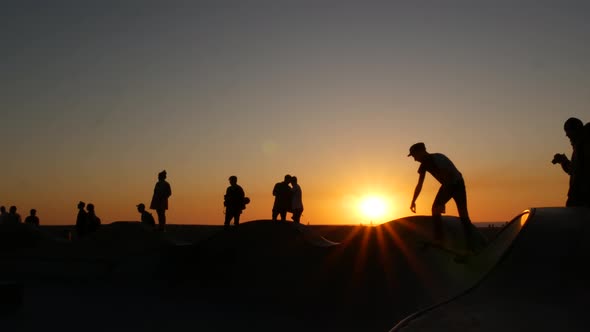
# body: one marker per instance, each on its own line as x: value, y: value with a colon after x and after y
x: 577, y: 167
x: 282, y: 194
x: 452, y: 186
x: 234, y: 201
x: 32, y: 219
x: 3, y: 215
x: 146, y: 217
x: 162, y: 191
x: 296, y: 200
x: 13, y: 218
x: 81, y: 220
x: 93, y: 219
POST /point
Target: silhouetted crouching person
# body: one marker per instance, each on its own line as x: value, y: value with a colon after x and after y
x: 452, y: 186
x: 162, y: 191
x: 282, y: 194
x: 93, y: 219
x: 234, y: 201
x: 577, y: 167
x: 296, y: 200
x: 146, y: 217
x: 81, y: 220
x: 32, y: 219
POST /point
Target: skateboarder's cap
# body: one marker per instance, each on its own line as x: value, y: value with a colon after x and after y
x: 417, y: 148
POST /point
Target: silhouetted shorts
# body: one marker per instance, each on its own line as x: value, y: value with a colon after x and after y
x: 455, y: 191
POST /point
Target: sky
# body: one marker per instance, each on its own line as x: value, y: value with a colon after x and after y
x: 96, y: 98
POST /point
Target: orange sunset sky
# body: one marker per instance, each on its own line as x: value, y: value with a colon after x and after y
x: 98, y: 98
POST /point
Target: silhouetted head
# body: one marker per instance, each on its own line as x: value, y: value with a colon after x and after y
x: 90, y: 207
x: 33, y: 212
x: 140, y: 207
x: 573, y: 129
x: 287, y: 178
x: 233, y: 179
x: 81, y: 205
x: 162, y: 175
x: 12, y: 209
x: 294, y: 180
x: 418, y: 151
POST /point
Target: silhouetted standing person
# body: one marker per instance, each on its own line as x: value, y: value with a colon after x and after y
x: 577, y: 167
x: 3, y: 215
x: 93, y: 219
x: 81, y: 220
x: 452, y: 186
x: 296, y: 200
x: 282, y: 194
x: 32, y: 219
x: 146, y: 217
x: 162, y: 191
x: 13, y: 218
x: 234, y: 201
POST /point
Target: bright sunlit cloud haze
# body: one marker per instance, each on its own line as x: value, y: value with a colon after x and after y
x: 97, y: 98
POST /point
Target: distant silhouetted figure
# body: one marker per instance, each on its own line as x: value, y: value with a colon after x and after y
x: 234, y: 201
x: 162, y: 191
x: 81, y: 220
x: 13, y: 218
x: 3, y: 215
x: 296, y: 200
x: 452, y: 186
x: 577, y: 167
x: 586, y: 148
x: 146, y: 217
x: 32, y: 219
x: 93, y: 219
x: 282, y: 194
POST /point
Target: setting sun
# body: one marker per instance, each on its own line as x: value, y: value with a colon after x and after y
x: 373, y: 207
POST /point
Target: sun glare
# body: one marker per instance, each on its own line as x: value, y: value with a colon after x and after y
x: 373, y: 207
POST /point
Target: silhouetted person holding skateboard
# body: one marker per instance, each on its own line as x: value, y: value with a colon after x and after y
x: 296, y: 200
x: 577, y: 167
x: 235, y: 201
x: 452, y: 186
x: 146, y: 217
x: 282, y: 194
x: 162, y: 191
x: 32, y: 219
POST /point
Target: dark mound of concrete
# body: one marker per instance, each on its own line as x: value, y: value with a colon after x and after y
x: 19, y: 236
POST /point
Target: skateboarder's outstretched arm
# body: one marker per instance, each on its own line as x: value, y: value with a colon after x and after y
x: 417, y: 191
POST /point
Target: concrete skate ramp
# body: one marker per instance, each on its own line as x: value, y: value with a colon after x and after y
x: 541, y: 283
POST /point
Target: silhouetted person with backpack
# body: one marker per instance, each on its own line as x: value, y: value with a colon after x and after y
x: 81, y: 220
x: 32, y: 219
x: 282, y: 194
x: 296, y: 200
x: 13, y: 218
x: 162, y: 191
x: 452, y: 186
x: 577, y: 167
x: 93, y: 219
x: 234, y: 201
x: 146, y: 217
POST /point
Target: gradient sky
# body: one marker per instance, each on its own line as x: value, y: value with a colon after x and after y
x: 97, y: 97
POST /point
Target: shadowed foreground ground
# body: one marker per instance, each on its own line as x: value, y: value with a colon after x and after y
x: 261, y: 276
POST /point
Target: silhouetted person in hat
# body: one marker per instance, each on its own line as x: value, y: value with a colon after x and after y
x: 146, y: 217
x: 452, y: 186
x: 93, y: 219
x: 577, y: 167
x: 13, y: 218
x: 234, y: 201
x: 282, y: 194
x: 81, y: 220
x: 32, y: 219
x: 296, y: 200
x: 162, y: 191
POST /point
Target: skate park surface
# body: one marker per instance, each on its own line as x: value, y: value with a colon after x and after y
x: 270, y: 276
